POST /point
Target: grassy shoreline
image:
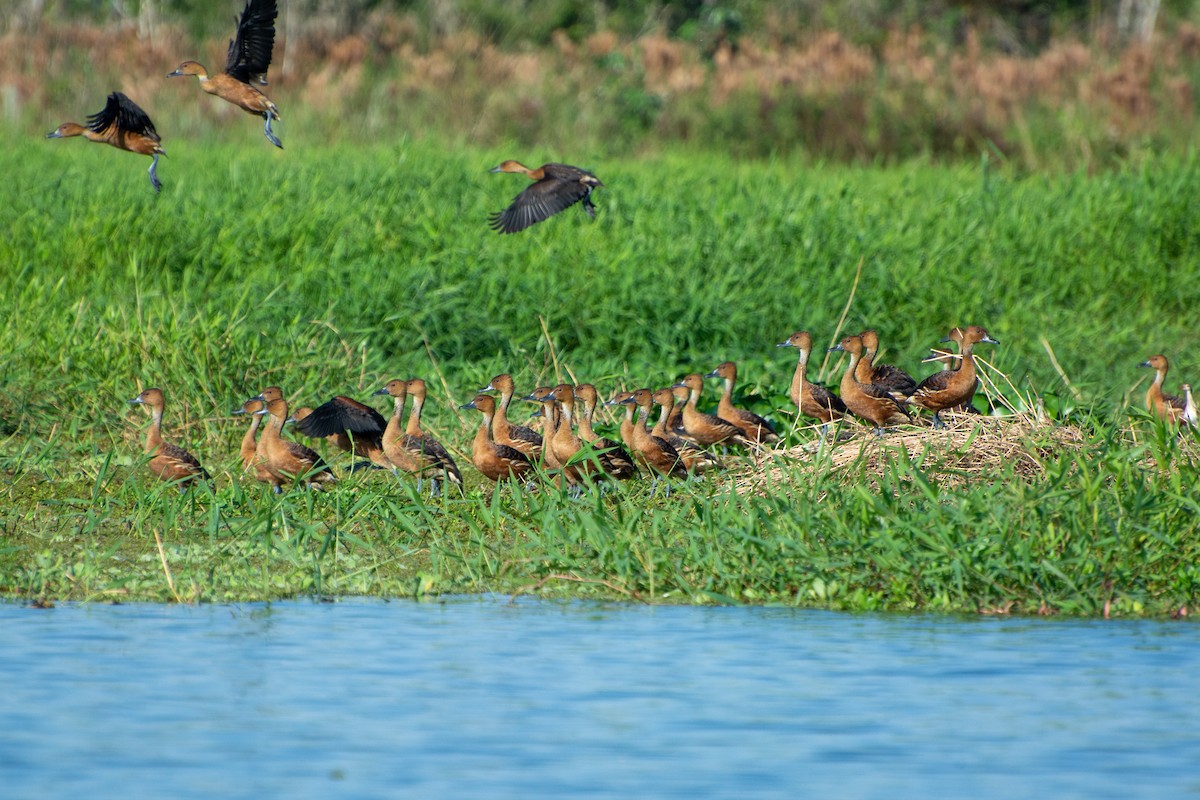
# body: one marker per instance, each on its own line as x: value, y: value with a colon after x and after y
x: 330, y: 272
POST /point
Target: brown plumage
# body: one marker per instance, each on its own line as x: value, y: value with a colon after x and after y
x: 414, y: 450
x: 348, y: 425
x: 550, y: 420
x: 435, y: 459
x: 122, y: 124
x: 955, y: 387
x: 249, y: 447
x: 169, y: 462
x: 695, y: 458
x: 565, y: 443
x: 873, y: 403
x: 619, y: 399
x: 555, y: 188
x: 898, y: 382
x: 706, y: 429
x: 497, y: 462
x: 756, y: 429
x: 654, y: 452
x: 811, y: 399
x: 613, y: 458
x: 286, y: 460
x: 1164, y: 406
x: 246, y: 63
x: 519, y: 437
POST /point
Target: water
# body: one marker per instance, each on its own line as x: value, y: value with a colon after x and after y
x: 477, y: 697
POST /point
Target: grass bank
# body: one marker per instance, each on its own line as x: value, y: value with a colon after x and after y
x: 332, y: 271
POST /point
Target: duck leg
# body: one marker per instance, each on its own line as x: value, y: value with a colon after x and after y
x: 154, y: 181
x: 588, y: 207
x: 269, y: 133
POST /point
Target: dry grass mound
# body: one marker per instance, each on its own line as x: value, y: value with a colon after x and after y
x: 969, y: 448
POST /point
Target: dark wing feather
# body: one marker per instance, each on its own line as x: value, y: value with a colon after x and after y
x: 1175, y: 402
x: 525, y: 434
x: 937, y: 382
x: 894, y: 379
x: 432, y: 449
x: 538, y: 202
x: 183, y: 459
x: 826, y: 398
x: 512, y: 455
x: 250, y: 53
x: 341, y: 415
x: 614, y: 459
x: 125, y: 114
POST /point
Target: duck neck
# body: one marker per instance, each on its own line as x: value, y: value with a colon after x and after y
x: 392, y: 432
x: 249, y: 445
x: 414, y: 417
x: 154, y: 432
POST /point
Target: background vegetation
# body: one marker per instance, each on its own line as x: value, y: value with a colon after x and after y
x: 1034, y: 177
x: 1041, y: 84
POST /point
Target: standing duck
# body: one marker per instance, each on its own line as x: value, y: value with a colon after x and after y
x: 898, y: 382
x: 168, y: 461
x: 348, y: 425
x: 706, y: 429
x: 954, y: 387
x: 527, y: 440
x: 497, y: 462
x: 612, y: 457
x: 1165, y: 406
x: 657, y: 454
x: 756, y: 429
x: 555, y: 187
x: 246, y: 64
x: 122, y: 124
x: 695, y: 458
x: 873, y: 403
x: 811, y: 399
x: 249, y: 447
x: 286, y: 460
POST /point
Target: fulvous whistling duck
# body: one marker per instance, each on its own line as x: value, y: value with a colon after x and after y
x: 348, y: 425
x: 873, y: 403
x: 695, y: 458
x: 416, y: 451
x: 527, y: 440
x: 892, y: 378
x: 550, y: 421
x: 168, y: 461
x: 952, y: 388
x: 122, y: 124
x: 556, y: 187
x: 288, y: 460
x: 706, y: 429
x: 394, y: 448
x: 565, y: 443
x: 756, y: 429
x: 246, y: 63
x: 811, y: 399
x: 497, y: 462
x: 657, y: 454
x: 249, y: 447
x: 1165, y: 406
x: 619, y: 399
x: 612, y: 457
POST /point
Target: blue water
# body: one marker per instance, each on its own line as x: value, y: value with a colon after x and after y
x: 477, y: 697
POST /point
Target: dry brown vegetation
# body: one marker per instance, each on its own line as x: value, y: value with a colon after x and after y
x: 1070, y: 104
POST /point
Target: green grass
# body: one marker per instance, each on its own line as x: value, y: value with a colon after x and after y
x: 332, y: 271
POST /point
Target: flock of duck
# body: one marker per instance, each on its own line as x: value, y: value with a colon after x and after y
x: 124, y: 125
x: 567, y: 448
